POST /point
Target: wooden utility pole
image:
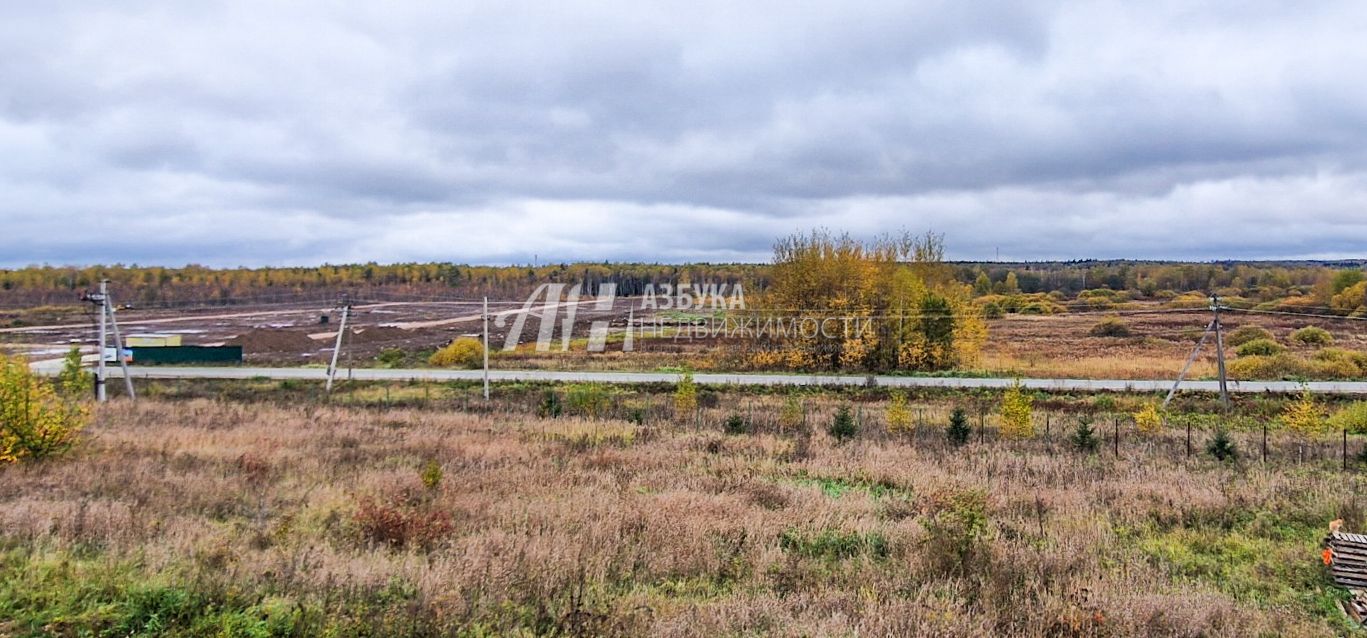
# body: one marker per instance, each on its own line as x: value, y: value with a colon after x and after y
x: 1220, y: 350
x: 1216, y: 328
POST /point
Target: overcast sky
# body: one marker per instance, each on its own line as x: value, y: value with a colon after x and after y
x: 296, y: 133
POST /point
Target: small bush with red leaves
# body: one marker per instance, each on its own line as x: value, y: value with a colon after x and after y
x: 402, y: 525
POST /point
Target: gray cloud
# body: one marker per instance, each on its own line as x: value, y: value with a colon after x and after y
x: 262, y: 132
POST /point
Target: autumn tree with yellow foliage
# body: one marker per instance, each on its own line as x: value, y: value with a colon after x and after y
x: 36, y: 420
x: 1305, y: 417
x: 887, y: 304
x: 1018, y: 411
x: 1149, y: 419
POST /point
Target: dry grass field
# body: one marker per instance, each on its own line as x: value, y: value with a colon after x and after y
x: 200, y: 517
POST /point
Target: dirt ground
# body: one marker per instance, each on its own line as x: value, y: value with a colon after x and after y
x: 1036, y: 346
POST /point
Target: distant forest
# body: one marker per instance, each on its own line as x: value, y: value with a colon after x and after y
x: 1311, y: 284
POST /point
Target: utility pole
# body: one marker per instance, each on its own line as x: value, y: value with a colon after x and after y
x: 102, y: 298
x: 486, y: 348
x: 337, y: 349
x: 106, y: 310
x: 1220, y: 350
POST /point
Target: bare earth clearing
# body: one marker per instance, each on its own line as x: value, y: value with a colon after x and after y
x: 1059, y: 346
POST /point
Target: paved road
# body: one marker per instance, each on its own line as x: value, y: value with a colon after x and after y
x: 373, y: 374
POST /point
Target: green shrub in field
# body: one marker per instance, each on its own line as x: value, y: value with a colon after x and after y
x: 1245, y: 334
x: 1260, y: 348
x: 735, y: 424
x: 465, y: 352
x: 1110, y: 327
x: 1222, y: 447
x: 74, y: 382
x: 587, y: 399
x: 390, y: 357
x: 1352, y: 417
x: 1042, y: 308
x: 958, y: 430
x: 1313, y: 336
x: 1337, y: 355
x: 834, y: 545
x: 685, y: 397
x: 843, y: 427
x: 1083, y: 437
x: 431, y: 475
x: 550, y: 407
x: 1329, y: 363
x: 954, y: 533
x: 791, y: 416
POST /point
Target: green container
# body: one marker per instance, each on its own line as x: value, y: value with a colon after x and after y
x: 187, y: 354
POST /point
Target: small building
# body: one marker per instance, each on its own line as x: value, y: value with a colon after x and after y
x: 152, y: 341
x: 187, y: 354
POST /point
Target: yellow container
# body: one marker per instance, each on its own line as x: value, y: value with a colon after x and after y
x: 152, y: 341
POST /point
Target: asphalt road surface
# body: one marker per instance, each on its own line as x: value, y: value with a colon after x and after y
x: 375, y: 374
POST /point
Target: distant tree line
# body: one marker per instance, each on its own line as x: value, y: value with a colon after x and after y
x: 1324, y: 285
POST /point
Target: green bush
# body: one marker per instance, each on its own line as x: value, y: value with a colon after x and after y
x: 1111, y: 327
x: 954, y: 533
x: 958, y: 431
x: 1313, y: 336
x: 550, y: 407
x: 1083, y: 437
x: 1222, y: 447
x: 834, y: 545
x: 1352, y: 417
x: 1330, y: 363
x: 1245, y: 334
x: 1260, y: 348
x: 587, y: 399
x: 1281, y: 366
x: 390, y: 357
x: 843, y: 427
x: 735, y: 424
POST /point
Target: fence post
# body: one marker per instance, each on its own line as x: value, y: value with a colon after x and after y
x: 982, y: 424
x: 1116, y: 420
x: 1345, y: 449
x: 1264, y: 442
x: 1188, y: 437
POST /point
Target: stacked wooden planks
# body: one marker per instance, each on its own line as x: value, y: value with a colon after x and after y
x: 1348, y: 563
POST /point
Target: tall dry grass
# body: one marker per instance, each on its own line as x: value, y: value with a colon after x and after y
x: 611, y: 528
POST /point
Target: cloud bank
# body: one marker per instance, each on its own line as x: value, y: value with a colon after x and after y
x: 297, y: 133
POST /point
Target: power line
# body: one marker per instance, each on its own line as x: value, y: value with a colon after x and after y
x: 1297, y: 314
